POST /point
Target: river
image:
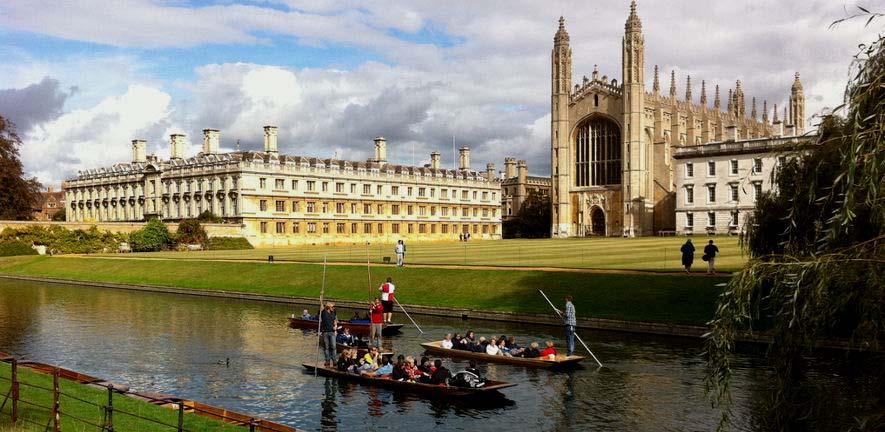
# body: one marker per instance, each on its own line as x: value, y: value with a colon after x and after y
x: 179, y: 344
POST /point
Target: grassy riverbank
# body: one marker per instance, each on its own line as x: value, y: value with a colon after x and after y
x: 33, y: 418
x: 637, y: 297
x: 610, y: 253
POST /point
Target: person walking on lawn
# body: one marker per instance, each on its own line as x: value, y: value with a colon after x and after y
x: 376, y: 310
x: 400, y: 250
x: 687, y: 255
x: 387, y: 289
x: 710, y: 252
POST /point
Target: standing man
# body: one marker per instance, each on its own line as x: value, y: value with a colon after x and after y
x: 400, y: 250
x: 687, y: 255
x: 570, y: 323
x: 377, y: 313
x: 328, y: 324
x: 710, y: 252
x: 387, y: 289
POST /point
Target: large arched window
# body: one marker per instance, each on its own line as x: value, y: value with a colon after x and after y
x: 598, y: 153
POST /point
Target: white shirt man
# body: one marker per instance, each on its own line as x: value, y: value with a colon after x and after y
x: 400, y: 250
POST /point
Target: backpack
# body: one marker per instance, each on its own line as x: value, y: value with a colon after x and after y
x: 467, y: 380
x: 706, y: 257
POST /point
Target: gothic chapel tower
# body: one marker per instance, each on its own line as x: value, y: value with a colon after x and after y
x: 561, y: 77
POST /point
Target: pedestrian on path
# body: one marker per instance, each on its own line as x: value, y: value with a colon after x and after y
x: 400, y: 250
x: 387, y: 289
x: 376, y: 310
x: 687, y: 255
x: 328, y: 326
x: 710, y: 252
x: 570, y: 321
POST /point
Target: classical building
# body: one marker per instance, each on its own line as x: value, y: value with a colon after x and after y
x: 613, y: 142
x: 517, y: 184
x: 282, y: 199
x: 717, y: 183
x: 49, y: 203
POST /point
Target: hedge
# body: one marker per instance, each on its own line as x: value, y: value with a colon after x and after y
x: 229, y: 243
x: 16, y: 248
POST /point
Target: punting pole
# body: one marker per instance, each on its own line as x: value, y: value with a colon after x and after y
x: 369, y: 271
x: 407, y: 314
x: 576, y: 335
x: 320, y: 319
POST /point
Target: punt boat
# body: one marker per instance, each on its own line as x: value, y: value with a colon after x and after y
x: 491, y: 388
x: 356, y: 327
x: 561, y: 360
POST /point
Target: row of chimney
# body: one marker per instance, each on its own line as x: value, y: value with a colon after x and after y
x: 212, y: 143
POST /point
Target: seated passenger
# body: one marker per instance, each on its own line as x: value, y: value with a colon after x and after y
x: 305, y: 315
x: 345, y: 338
x: 371, y: 360
x: 532, y: 351
x: 344, y: 361
x: 480, y: 346
x: 492, y: 348
x: 440, y: 374
x: 447, y: 341
x: 382, y: 372
x: 426, y: 370
x: 502, y: 347
x: 399, y: 371
x: 549, y: 352
x: 456, y: 341
x: 411, y: 370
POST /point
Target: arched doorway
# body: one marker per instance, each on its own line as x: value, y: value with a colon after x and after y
x: 597, y: 221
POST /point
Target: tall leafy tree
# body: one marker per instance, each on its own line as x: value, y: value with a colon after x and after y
x: 817, y: 247
x: 17, y: 192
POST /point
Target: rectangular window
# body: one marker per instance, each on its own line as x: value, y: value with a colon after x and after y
x: 279, y: 184
x: 262, y: 205
x: 325, y: 207
x: 394, y: 228
x: 325, y: 227
x: 367, y: 209
x: 394, y: 209
x: 422, y: 191
x: 294, y: 184
x: 339, y: 228
x: 410, y: 210
x: 263, y: 227
x: 311, y: 228
x: 757, y: 166
x: 325, y: 186
x: 311, y: 207
x: 711, y: 193
x: 689, y: 220
x: 757, y: 190
x: 422, y: 228
x: 295, y: 207
x: 281, y: 227
x: 410, y: 228
x: 734, y: 218
x: 379, y: 209
x: 311, y: 185
x: 711, y: 168
x: 485, y: 196
x: 432, y: 192
x: 445, y: 229
x: 339, y: 207
x: 433, y: 210
x: 368, y: 228
x: 734, y: 166
x: 380, y: 228
x: 689, y: 195
x: 379, y: 189
x: 464, y: 195
x: 444, y: 193
x: 295, y: 227
x: 409, y: 191
x: 394, y: 190
x: 464, y: 212
x: 262, y: 182
x: 339, y: 187
x: 433, y: 228
x: 353, y: 208
x: 280, y: 206
x: 475, y: 212
x: 734, y: 192
x: 444, y: 211
x: 474, y: 194
x: 485, y: 212
x: 353, y: 228
x: 353, y: 188
x: 367, y: 189
x: 711, y: 219
x: 422, y: 211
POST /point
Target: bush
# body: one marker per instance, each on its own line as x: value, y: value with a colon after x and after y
x: 208, y: 217
x: 61, y: 240
x: 229, y: 243
x: 191, y: 232
x: 59, y: 216
x: 16, y: 248
x: 153, y: 237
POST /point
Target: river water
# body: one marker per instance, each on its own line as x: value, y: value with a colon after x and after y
x: 179, y: 344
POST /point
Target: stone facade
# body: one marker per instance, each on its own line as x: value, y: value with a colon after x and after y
x: 717, y: 183
x: 612, y: 143
x: 282, y: 200
x: 517, y: 184
x: 49, y: 203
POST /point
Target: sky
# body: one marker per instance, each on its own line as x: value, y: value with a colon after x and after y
x: 82, y: 78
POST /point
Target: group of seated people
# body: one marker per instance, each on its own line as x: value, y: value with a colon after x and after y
x: 374, y: 364
x: 502, y: 346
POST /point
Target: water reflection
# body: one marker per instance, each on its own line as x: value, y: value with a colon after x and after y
x: 180, y: 344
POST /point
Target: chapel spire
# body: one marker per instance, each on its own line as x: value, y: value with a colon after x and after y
x: 703, y: 94
x: 656, y: 84
x: 764, y: 111
x: 688, y: 88
x: 716, y: 103
x: 753, y: 111
x: 633, y: 23
x: 673, y: 84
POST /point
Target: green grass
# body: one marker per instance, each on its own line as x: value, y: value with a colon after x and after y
x: 644, y: 253
x: 639, y: 297
x: 71, y: 407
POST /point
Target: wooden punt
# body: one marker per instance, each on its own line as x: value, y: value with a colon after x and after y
x: 357, y: 328
x: 491, y: 388
x: 561, y: 360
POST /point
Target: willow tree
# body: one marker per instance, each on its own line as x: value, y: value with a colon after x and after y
x: 816, y: 248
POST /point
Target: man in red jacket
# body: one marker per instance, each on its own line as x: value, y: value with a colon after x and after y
x: 376, y: 310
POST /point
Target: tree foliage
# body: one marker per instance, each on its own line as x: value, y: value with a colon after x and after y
x: 61, y: 240
x: 153, y: 237
x: 208, y: 217
x: 191, y: 232
x: 17, y: 193
x: 816, y: 245
x: 59, y: 216
x: 533, y: 218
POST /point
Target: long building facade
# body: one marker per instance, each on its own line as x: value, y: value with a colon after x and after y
x: 282, y: 200
x: 613, y: 142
